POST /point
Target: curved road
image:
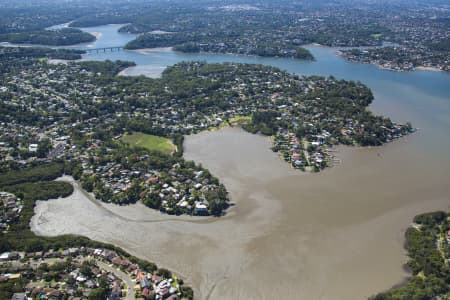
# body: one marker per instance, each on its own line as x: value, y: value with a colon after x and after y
x: 120, y: 274
x: 123, y: 276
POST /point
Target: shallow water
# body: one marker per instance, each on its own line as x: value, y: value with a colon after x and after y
x: 338, y: 234
x: 333, y: 235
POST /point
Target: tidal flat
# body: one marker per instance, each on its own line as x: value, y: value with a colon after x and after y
x: 333, y: 235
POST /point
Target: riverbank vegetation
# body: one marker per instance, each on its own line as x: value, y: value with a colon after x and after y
x: 38, y: 173
x: 11, y: 56
x: 428, y: 245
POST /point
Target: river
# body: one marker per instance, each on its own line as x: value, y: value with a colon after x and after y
x: 338, y: 234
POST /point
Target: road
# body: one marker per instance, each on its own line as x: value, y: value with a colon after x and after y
x: 124, y: 277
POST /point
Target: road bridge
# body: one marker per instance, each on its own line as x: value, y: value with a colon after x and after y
x: 105, y: 49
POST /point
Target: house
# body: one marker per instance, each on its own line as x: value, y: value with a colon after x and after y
x: 131, y: 268
x: 140, y: 275
x: 9, y: 256
x: 156, y: 278
x: 152, y: 180
x: 4, y: 256
x: 145, y: 283
x: 74, y: 251
x: 108, y: 255
x: 90, y: 284
x: 49, y: 254
x: 118, y: 261
x: 200, y: 209
x: 19, y: 296
x: 33, y: 147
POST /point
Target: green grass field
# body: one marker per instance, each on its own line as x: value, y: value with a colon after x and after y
x: 240, y: 119
x: 150, y: 142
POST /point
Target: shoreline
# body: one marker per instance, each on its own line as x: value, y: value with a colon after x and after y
x: 145, y: 51
x: 151, y: 214
x: 211, y: 247
x: 341, y: 54
x: 96, y: 34
x: 338, y: 53
x: 434, y: 69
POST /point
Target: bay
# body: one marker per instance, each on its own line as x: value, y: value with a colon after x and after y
x: 338, y: 234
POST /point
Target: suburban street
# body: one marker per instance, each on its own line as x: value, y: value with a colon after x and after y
x: 124, y: 277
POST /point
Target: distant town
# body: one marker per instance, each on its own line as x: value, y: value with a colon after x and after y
x: 397, y: 37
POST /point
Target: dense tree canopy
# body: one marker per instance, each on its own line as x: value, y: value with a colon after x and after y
x: 60, y: 37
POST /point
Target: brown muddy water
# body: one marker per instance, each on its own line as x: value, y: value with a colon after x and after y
x: 338, y: 234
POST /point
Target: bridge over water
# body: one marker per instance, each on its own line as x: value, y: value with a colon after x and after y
x: 105, y: 49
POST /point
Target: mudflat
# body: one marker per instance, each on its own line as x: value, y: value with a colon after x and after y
x: 338, y: 234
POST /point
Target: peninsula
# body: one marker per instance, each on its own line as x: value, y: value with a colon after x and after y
x: 57, y: 37
x: 79, y: 112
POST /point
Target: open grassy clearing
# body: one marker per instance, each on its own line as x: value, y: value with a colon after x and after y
x: 151, y: 142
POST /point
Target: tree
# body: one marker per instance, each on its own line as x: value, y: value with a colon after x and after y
x: 164, y: 273
x: 87, y: 182
x: 43, y: 148
x: 98, y: 294
x: 187, y: 292
x: 86, y: 269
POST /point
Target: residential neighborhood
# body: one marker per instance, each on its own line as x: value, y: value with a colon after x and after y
x: 73, y: 115
x: 10, y: 208
x: 85, y: 273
